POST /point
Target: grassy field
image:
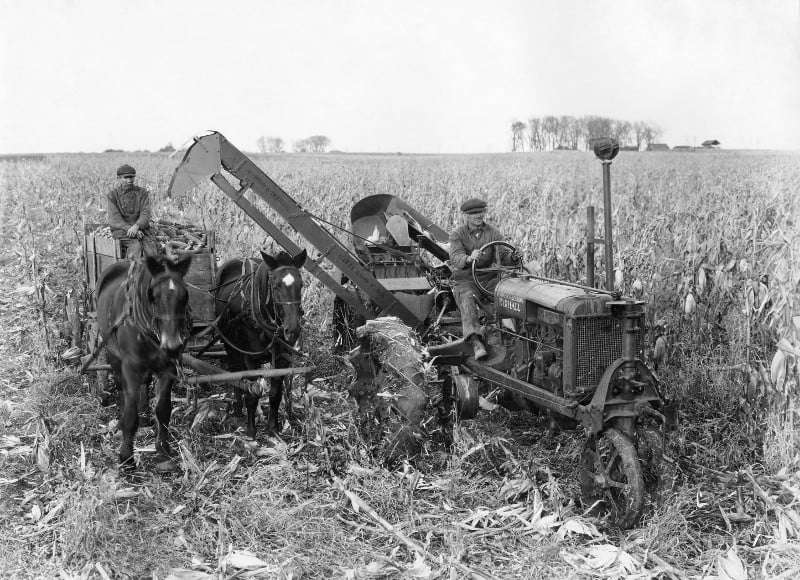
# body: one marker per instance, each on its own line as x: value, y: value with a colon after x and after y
x: 711, y: 238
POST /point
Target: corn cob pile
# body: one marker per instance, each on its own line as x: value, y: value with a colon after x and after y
x: 183, y: 237
x: 180, y: 236
x: 102, y: 232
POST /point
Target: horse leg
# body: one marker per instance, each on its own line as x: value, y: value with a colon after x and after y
x: 288, y: 409
x: 251, y: 402
x: 275, y: 396
x: 288, y: 382
x: 163, y: 412
x: 235, y: 363
x: 129, y: 422
x: 143, y: 403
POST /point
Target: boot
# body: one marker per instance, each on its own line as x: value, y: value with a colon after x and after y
x: 478, y: 348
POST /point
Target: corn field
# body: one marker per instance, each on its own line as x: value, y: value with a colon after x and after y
x: 709, y: 240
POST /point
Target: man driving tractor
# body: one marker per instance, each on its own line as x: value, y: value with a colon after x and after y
x: 465, y: 245
x: 129, y: 215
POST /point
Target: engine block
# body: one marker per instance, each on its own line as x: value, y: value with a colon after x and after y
x: 572, y: 334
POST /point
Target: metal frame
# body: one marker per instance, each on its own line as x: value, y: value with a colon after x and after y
x: 211, y: 152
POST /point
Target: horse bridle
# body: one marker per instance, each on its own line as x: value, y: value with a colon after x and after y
x: 135, y: 310
x: 273, y: 321
x: 159, y: 317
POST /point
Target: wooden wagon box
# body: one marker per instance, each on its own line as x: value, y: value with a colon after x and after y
x: 101, y: 250
x: 200, y: 280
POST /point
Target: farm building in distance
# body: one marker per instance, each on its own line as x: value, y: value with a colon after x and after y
x: 657, y: 147
x: 683, y: 148
x: 711, y: 144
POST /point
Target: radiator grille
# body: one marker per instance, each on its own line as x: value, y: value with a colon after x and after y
x: 598, y: 344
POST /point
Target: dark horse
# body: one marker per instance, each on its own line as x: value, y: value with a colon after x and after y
x: 260, y: 317
x: 143, y: 314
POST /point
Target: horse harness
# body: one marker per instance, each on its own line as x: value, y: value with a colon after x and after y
x: 249, y: 286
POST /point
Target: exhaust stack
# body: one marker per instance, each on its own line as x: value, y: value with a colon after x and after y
x: 606, y: 149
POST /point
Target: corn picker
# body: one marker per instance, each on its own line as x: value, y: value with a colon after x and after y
x: 573, y: 350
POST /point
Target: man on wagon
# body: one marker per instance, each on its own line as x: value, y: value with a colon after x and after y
x: 129, y: 215
x: 465, y: 245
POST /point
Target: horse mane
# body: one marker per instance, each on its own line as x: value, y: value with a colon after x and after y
x: 258, y: 283
x: 139, y: 309
x: 136, y: 286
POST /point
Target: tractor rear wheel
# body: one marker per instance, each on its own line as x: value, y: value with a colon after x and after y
x: 611, y: 478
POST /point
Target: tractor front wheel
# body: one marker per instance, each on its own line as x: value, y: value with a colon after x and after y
x: 611, y: 479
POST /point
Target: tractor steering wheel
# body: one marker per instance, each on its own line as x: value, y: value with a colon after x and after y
x: 497, y: 268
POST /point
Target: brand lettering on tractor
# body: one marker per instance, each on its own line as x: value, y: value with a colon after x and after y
x: 510, y: 303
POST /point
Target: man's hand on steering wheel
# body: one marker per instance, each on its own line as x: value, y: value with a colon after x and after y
x: 498, y: 269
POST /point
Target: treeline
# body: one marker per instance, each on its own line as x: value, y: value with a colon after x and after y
x: 313, y: 144
x: 566, y: 132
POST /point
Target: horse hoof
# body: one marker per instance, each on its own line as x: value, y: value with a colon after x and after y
x: 167, y: 465
x: 127, y: 469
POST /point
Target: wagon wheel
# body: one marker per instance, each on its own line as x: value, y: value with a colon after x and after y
x: 345, y: 322
x: 496, y: 268
x: 465, y: 395
x: 611, y: 477
x: 93, y: 340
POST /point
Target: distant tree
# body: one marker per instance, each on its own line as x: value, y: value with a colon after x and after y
x: 566, y: 132
x: 168, y: 148
x: 639, y: 129
x: 571, y: 131
x: 596, y: 128
x: 651, y: 133
x: 517, y: 136
x: 550, y: 128
x: 301, y: 146
x: 621, y: 131
x: 535, y: 137
x: 270, y: 144
x: 318, y: 143
x: 275, y: 145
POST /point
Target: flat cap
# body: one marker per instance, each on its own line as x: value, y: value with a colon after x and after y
x: 474, y: 205
x: 125, y: 170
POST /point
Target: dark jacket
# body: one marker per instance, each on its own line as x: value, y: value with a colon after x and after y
x: 127, y: 205
x: 463, y: 242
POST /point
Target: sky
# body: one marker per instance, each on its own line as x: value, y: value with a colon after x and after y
x: 387, y: 76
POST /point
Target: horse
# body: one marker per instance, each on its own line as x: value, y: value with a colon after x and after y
x: 259, y: 319
x: 143, y: 317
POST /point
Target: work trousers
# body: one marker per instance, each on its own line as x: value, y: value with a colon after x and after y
x: 466, y: 295
x: 135, y: 249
